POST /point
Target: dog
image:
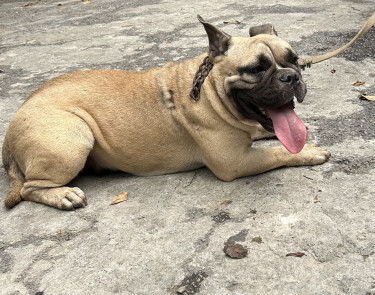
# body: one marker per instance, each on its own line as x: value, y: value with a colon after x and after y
x: 205, y: 111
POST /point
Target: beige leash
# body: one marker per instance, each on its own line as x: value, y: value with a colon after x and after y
x: 309, y: 60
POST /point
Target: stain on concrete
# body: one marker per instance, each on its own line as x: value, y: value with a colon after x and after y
x: 202, y: 243
x: 221, y: 217
x: 10, y: 87
x: 333, y: 130
x: 195, y: 213
x: 361, y: 48
x: 240, y: 237
x: 249, y: 10
x: 352, y: 165
x: 6, y: 261
x: 42, y: 260
x: 191, y: 284
x: 326, y: 41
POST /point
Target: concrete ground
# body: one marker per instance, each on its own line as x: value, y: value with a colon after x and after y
x: 168, y: 237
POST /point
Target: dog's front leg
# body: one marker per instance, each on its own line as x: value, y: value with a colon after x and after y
x: 231, y: 159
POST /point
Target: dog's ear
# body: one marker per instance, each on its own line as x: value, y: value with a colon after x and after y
x: 217, y: 39
x: 262, y: 29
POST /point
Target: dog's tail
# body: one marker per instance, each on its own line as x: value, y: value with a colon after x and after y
x: 15, y: 175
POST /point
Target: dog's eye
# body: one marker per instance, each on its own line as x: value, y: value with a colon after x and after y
x: 257, y: 69
x: 251, y: 70
x: 294, y: 61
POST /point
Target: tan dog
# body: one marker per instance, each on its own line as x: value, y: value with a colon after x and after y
x: 147, y: 123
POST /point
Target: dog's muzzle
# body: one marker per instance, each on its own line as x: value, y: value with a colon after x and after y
x: 282, y: 87
x: 272, y: 104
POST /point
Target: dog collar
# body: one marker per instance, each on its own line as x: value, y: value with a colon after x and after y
x: 203, y: 71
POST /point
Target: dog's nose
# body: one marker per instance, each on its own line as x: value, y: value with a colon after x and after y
x: 289, y: 77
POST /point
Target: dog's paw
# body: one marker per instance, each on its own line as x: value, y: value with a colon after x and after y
x: 65, y: 198
x: 69, y: 198
x: 310, y: 155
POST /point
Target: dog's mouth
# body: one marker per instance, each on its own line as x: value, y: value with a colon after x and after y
x: 282, y: 120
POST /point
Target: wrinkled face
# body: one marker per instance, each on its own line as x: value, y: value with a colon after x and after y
x: 262, y: 74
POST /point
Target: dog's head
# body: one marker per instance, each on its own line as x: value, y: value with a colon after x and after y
x: 261, y: 79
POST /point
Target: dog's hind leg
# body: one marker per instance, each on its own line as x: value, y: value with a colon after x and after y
x: 51, y: 152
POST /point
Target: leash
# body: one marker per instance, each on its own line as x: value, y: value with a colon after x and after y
x: 309, y: 60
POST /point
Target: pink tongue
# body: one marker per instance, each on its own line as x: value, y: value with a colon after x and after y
x: 289, y: 129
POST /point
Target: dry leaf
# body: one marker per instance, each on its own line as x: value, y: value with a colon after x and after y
x: 29, y: 4
x: 120, y: 198
x: 226, y: 202
x: 367, y: 97
x: 59, y: 234
x: 257, y: 240
x: 232, y: 22
x: 316, y: 200
x: 297, y: 254
x: 358, y: 83
x: 234, y: 250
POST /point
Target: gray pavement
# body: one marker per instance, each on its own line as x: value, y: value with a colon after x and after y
x: 168, y: 237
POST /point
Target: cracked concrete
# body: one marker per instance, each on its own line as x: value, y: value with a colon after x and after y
x: 168, y: 237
